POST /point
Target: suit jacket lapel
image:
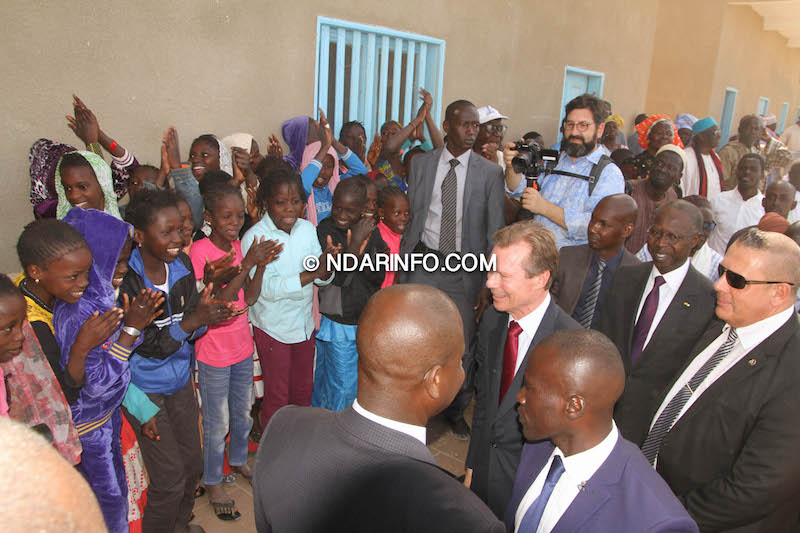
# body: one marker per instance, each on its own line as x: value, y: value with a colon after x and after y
x: 496, y: 346
x: 430, y: 177
x: 596, y: 491
x: 534, y: 457
x: 637, y: 286
x: 472, y: 175
x: 545, y: 328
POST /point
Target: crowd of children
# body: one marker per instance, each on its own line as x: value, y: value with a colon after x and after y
x: 141, y: 285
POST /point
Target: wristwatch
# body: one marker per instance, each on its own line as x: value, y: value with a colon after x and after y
x: 133, y: 332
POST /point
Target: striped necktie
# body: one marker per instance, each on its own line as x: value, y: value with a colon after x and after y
x: 447, y: 231
x: 590, y: 304
x: 670, y: 413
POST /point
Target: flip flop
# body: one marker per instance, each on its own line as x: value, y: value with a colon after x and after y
x: 227, y: 517
x: 199, y: 492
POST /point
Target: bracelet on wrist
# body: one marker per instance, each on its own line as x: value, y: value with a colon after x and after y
x: 130, y: 330
x: 112, y: 146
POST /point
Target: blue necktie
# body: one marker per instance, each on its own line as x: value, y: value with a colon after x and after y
x: 530, y: 522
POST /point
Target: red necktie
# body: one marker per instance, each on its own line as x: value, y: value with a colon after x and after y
x: 509, y: 358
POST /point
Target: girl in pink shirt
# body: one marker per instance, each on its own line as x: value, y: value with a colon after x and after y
x: 225, y: 352
x: 394, y: 214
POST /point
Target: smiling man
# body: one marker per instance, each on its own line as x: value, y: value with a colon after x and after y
x: 723, y: 433
x: 523, y: 314
x: 655, y: 312
x: 740, y: 207
x: 577, y: 473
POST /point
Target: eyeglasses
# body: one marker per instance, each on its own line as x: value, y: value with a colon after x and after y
x: 496, y: 128
x: 737, y: 281
x: 671, y: 238
x: 709, y: 226
x: 580, y: 126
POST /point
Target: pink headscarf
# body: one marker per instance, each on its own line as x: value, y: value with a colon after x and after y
x: 308, y: 154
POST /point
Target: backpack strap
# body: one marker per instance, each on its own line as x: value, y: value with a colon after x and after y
x: 593, y: 176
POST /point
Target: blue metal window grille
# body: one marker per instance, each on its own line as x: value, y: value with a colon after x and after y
x: 782, y: 121
x: 726, y: 121
x: 371, y: 74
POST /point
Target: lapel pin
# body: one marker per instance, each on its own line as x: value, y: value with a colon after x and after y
x: 687, y: 304
x: 752, y: 362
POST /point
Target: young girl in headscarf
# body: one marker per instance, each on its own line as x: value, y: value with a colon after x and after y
x: 83, y: 180
x: 295, y: 134
x: 29, y: 392
x: 106, y: 373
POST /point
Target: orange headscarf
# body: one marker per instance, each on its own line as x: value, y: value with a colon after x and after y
x: 647, y: 124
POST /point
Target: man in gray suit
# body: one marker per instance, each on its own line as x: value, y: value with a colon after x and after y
x: 523, y: 314
x: 457, y: 204
x: 367, y: 468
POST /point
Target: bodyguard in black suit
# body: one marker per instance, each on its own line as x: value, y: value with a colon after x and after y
x: 367, y: 469
x: 585, y: 271
x: 522, y: 315
x: 457, y: 203
x: 724, y: 433
x: 651, y: 365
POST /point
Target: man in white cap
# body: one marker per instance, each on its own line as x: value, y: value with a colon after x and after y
x: 656, y: 190
x: 703, y: 173
x: 489, y: 142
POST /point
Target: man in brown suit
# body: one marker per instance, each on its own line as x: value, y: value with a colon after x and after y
x: 585, y: 271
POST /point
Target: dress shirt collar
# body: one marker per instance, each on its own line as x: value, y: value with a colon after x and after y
x: 612, y: 262
x: 754, y: 334
x: 417, y: 432
x: 756, y: 198
x: 530, y: 322
x: 447, y: 156
x: 674, y: 278
x: 582, y: 466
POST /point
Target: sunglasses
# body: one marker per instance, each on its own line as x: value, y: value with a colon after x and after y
x: 737, y: 281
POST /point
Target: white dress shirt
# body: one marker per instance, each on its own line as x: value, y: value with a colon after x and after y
x: 417, y: 432
x: 578, y: 470
x: 748, y: 338
x: 530, y: 325
x: 732, y: 213
x: 794, y: 214
x: 433, y: 223
x: 667, y: 291
x: 690, y: 182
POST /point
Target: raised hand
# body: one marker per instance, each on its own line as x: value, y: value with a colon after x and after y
x: 84, y: 124
x: 374, y: 151
x: 241, y: 164
x: 252, y: 206
x: 262, y: 253
x: 325, y: 132
x: 426, y: 98
x: 163, y: 172
x: 143, y: 309
x: 170, y: 141
x: 274, y: 149
x: 98, y: 328
x: 358, y: 236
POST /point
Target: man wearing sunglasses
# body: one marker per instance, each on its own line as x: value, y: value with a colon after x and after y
x: 725, y: 434
x: 655, y: 313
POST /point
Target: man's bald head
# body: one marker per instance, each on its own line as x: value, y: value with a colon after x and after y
x: 782, y: 254
x: 39, y: 489
x: 404, y: 332
x: 573, y: 380
x: 621, y: 206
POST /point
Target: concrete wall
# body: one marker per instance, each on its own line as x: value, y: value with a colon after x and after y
x: 701, y: 48
x: 230, y: 65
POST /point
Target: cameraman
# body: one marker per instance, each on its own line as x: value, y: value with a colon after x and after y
x: 564, y: 203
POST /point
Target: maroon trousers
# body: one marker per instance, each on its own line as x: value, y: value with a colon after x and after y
x: 288, y: 373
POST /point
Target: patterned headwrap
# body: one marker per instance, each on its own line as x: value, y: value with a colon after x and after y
x: 647, y: 124
x: 685, y: 120
x: 618, y: 120
x: 103, y: 174
x: 44, y: 157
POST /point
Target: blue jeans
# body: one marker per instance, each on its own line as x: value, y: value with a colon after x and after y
x: 225, y: 393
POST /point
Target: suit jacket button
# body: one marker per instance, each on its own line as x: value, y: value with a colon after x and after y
x: 494, y: 445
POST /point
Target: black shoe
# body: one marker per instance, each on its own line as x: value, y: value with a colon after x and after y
x: 460, y: 428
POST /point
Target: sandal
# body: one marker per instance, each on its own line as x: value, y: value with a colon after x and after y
x: 200, y: 491
x: 229, y: 478
x: 226, y: 511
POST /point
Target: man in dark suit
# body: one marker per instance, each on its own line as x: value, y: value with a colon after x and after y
x: 655, y: 312
x: 522, y: 315
x: 724, y: 432
x: 457, y: 203
x: 367, y: 468
x: 577, y: 474
x: 585, y: 273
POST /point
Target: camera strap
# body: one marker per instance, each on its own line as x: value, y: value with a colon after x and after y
x: 593, y: 176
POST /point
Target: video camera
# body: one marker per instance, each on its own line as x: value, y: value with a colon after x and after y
x: 533, y: 160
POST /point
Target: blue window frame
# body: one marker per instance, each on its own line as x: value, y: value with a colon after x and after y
x: 782, y: 121
x: 371, y: 74
x: 763, y: 106
x: 578, y: 81
x: 726, y: 121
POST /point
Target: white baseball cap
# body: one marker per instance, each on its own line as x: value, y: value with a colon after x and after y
x: 488, y: 113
